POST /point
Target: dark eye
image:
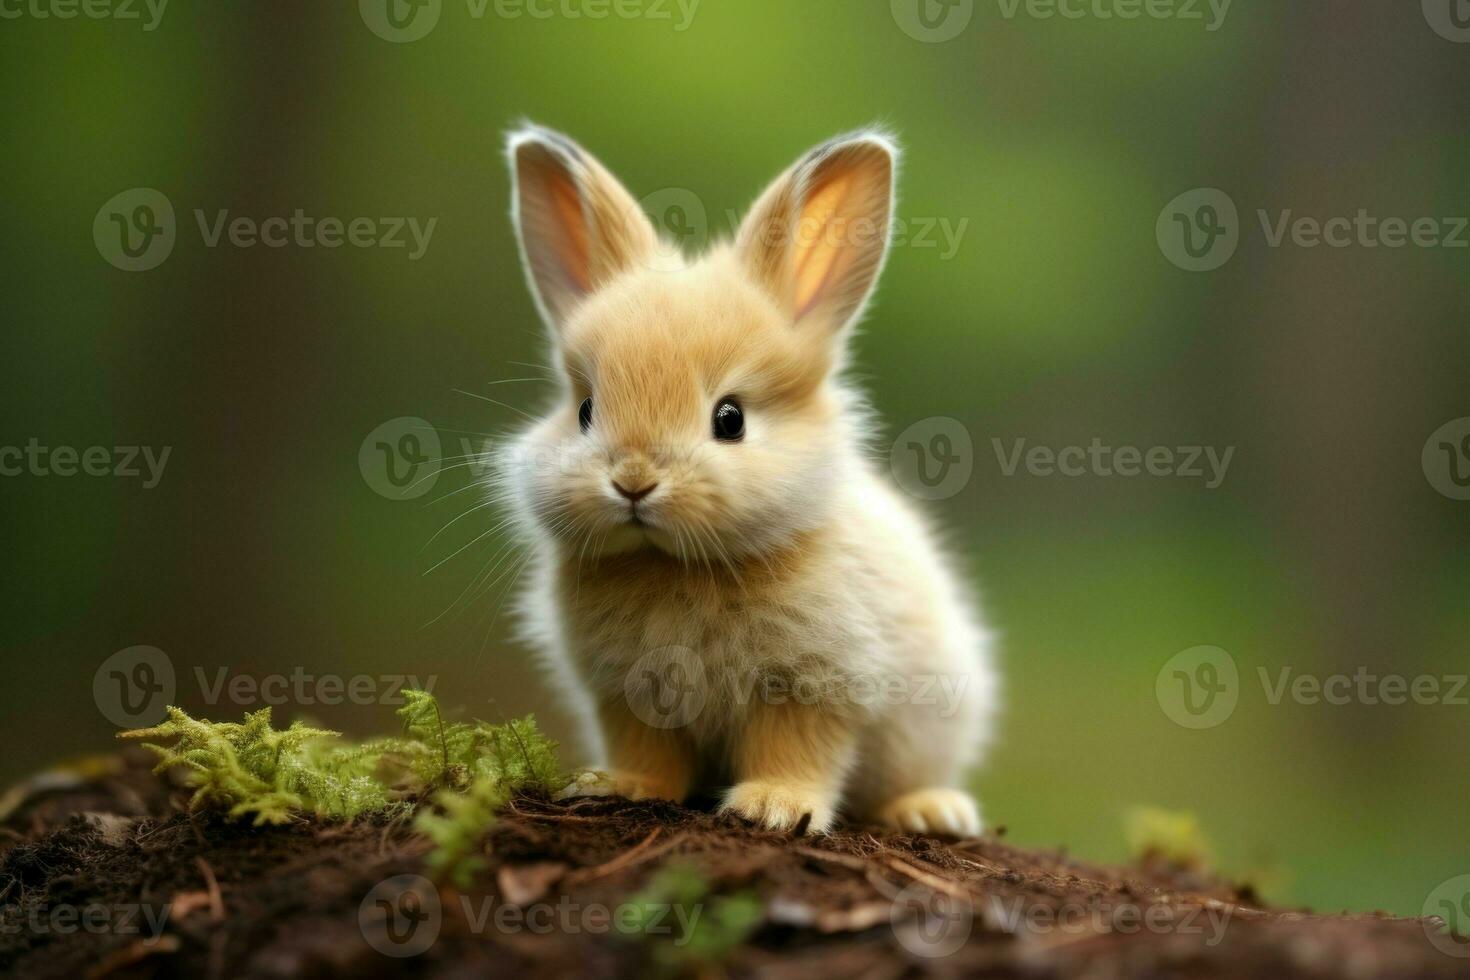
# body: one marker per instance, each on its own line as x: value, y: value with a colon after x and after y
x: 729, y: 420
x: 584, y: 414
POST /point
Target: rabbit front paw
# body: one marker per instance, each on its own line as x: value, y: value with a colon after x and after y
x: 934, y: 811
x: 780, y: 806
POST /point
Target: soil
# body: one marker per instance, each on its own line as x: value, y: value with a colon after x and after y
x: 101, y: 874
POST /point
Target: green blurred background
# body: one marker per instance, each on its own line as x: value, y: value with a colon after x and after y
x: 264, y: 550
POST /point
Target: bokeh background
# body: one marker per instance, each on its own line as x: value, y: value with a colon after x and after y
x: 1055, y: 142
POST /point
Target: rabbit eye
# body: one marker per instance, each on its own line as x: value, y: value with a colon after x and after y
x: 729, y: 420
x: 584, y: 414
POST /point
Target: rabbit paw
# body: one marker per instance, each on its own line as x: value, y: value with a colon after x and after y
x: 778, y: 806
x: 934, y: 811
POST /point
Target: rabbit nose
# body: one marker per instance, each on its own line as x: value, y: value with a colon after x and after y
x: 634, y: 495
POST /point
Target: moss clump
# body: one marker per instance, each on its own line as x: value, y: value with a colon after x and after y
x: 455, y: 823
x: 468, y: 769
x: 710, y: 927
x: 1171, y: 836
x: 459, y: 755
x: 480, y: 767
x: 252, y: 768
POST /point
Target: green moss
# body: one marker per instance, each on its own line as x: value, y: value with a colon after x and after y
x: 1172, y: 836
x: 455, y: 823
x: 252, y: 768
x: 481, y: 766
x: 717, y: 925
x: 466, y: 771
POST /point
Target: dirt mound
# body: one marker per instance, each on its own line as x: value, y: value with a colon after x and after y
x: 101, y: 876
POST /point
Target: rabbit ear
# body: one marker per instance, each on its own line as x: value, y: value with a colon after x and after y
x: 818, y: 237
x: 578, y: 227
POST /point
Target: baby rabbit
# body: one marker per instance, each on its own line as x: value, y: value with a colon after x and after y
x: 719, y: 574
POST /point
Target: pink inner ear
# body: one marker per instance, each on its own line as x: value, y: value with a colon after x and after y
x: 571, y: 242
x: 822, y: 255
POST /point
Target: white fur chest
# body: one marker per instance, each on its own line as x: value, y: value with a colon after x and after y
x: 692, y: 648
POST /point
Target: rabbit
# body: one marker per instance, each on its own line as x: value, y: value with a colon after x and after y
x: 739, y: 605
